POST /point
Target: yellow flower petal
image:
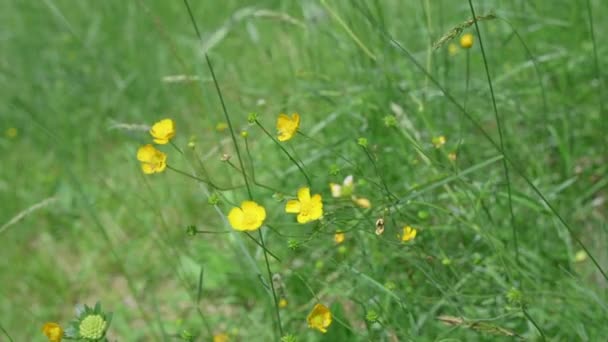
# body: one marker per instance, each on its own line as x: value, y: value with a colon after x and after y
x: 53, y: 331
x: 249, y: 216
x: 304, y: 194
x: 152, y: 160
x: 162, y: 131
x: 339, y: 237
x: 409, y: 233
x: 235, y: 217
x: 287, y: 126
x: 292, y: 206
x: 319, y: 318
x: 466, y: 41
x: 146, y: 153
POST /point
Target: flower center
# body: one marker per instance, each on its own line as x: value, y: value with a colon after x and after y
x: 249, y: 219
x: 305, y: 208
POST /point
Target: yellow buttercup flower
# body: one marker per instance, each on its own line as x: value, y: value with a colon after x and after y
x: 53, y: 331
x: 163, y: 131
x: 466, y: 41
x: 220, y: 337
x: 287, y: 126
x: 152, y: 160
x: 339, y: 237
x: 308, y: 208
x: 409, y: 234
x: 249, y: 216
x: 319, y: 318
x: 283, y: 303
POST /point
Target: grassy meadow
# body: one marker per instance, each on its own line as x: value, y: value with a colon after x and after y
x: 496, y: 157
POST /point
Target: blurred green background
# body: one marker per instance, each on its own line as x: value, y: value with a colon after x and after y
x: 81, y: 80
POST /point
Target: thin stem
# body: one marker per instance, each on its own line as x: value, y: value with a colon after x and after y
x: 540, y: 331
x: 200, y: 179
x: 485, y: 134
x: 274, y: 294
x: 286, y: 152
x: 500, y: 133
x: 6, y: 333
x: 467, y: 79
x: 238, y: 152
x: 596, y: 63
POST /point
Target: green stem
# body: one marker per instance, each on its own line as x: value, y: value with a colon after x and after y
x: 286, y: 152
x: 500, y: 133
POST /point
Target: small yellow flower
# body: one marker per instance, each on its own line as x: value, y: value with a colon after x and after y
x: 152, y: 160
x: 249, y: 216
x: 53, y: 331
x: 452, y: 49
x: 163, y: 131
x: 282, y: 303
x: 287, y: 126
x: 11, y: 133
x: 580, y: 256
x: 339, y: 237
x: 362, y: 202
x: 438, y: 141
x: 319, y: 318
x: 466, y: 41
x: 221, y: 126
x: 308, y: 208
x: 409, y: 234
x: 452, y: 156
x: 220, y: 337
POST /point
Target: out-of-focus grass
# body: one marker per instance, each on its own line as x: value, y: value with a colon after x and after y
x: 70, y: 71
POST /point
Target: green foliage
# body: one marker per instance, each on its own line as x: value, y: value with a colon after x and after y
x: 82, y: 83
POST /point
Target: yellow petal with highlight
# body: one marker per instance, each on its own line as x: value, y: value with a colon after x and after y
x: 162, y: 131
x: 304, y: 194
x: 292, y: 206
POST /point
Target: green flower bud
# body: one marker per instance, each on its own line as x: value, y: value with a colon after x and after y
x: 93, y: 327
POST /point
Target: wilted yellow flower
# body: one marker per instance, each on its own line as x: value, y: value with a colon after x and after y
x: 163, y: 131
x: 287, y: 126
x: 11, y: 133
x: 409, y: 233
x: 466, y: 41
x: 452, y: 49
x: 308, y: 208
x: 362, y: 202
x: 249, y: 216
x: 344, y: 190
x: 53, y: 331
x: 452, y: 156
x: 379, y: 226
x: 152, y: 160
x: 339, y: 237
x: 438, y: 141
x: 319, y: 318
x: 283, y: 303
x: 220, y: 337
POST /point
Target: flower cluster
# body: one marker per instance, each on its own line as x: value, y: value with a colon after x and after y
x: 248, y: 216
x: 90, y: 324
x: 153, y: 160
